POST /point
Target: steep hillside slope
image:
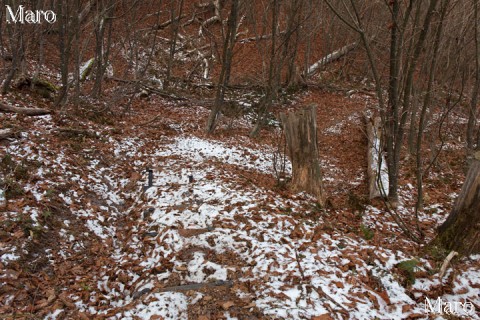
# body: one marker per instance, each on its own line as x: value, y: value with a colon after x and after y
x: 213, y: 238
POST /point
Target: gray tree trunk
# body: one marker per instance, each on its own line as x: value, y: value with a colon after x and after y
x: 377, y: 165
x: 301, y: 136
x: 461, y: 231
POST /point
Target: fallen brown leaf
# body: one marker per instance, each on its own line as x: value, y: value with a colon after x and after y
x: 227, y: 305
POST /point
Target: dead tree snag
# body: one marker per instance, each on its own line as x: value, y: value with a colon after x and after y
x: 377, y: 165
x: 301, y: 136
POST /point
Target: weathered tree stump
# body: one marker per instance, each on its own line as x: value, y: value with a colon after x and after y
x: 377, y: 171
x: 301, y: 136
x: 461, y: 231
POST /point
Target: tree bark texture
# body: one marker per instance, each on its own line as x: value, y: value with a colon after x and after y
x: 301, y: 136
x: 461, y: 231
x: 377, y: 166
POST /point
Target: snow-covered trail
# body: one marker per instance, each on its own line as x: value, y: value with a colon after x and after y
x: 283, y: 267
x: 204, y: 221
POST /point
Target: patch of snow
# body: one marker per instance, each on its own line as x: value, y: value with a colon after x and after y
x: 7, y: 257
x: 169, y: 305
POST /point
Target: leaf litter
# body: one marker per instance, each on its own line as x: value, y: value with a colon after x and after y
x: 99, y: 245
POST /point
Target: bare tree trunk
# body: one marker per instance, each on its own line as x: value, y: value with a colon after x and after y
x: 224, y: 78
x: 2, y: 42
x: 174, y: 36
x: 77, y: 20
x: 461, y: 230
x: 391, y: 121
x: 17, y: 47
x: 426, y: 106
x: 64, y: 48
x: 273, y: 69
x: 472, y: 117
x: 301, y: 136
x: 377, y: 166
x: 102, y: 50
x: 41, y: 41
x: 291, y: 41
x: 412, y: 129
x: 400, y: 119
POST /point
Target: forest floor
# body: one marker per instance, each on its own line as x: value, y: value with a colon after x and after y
x: 216, y: 236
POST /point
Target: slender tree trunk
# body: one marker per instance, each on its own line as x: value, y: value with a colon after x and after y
x: 273, y: 69
x: 41, y: 41
x: 64, y: 48
x: 175, y: 18
x: 472, y: 116
x: 393, y: 103
x: 394, y: 147
x: 301, y: 136
x: 293, y: 79
x: 76, y: 30
x: 461, y: 230
x: 2, y: 41
x: 17, y: 47
x: 426, y: 106
x: 102, y: 51
x: 224, y: 78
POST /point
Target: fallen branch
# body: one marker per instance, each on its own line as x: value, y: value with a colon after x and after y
x: 185, y: 287
x: 198, y: 286
x: 325, y: 295
x: 75, y: 132
x: 258, y: 38
x: 299, y: 265
x: 208, y: 22
x: 331, y: 57
x: 449, y: 258
x: 84, y: 13
x: 24, y: 111
x: 151, y: 89
x: 162, y: 93
x: 188, y: 233
x: 205, y: 5
x: 169, y: 22
x: 212, y: 20
x: 143, y: 124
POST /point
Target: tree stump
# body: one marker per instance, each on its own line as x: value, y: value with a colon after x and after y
x: 377, y: 171
x: 461, y: 231
x: 301, y: 136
